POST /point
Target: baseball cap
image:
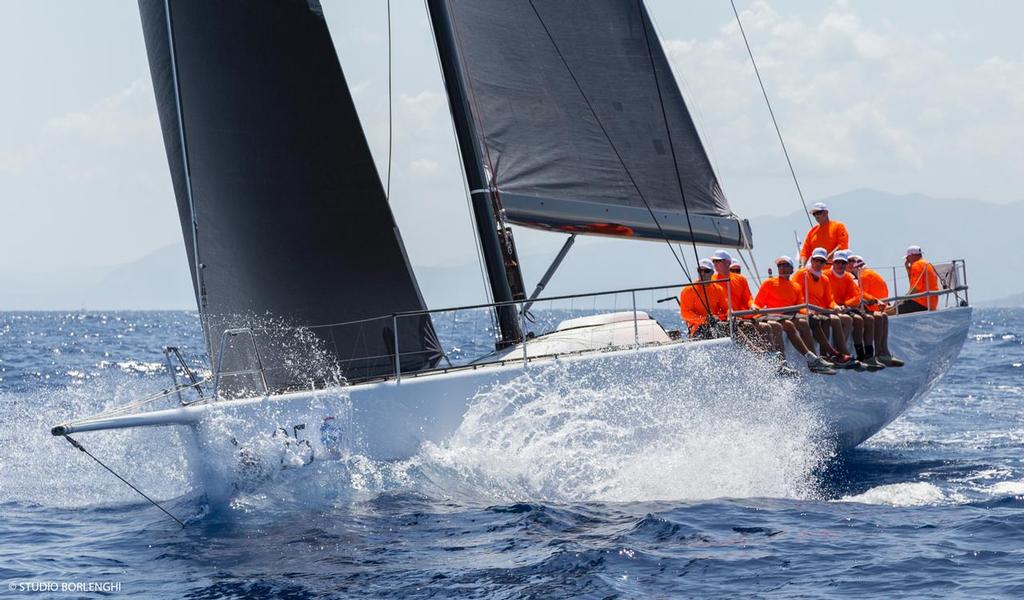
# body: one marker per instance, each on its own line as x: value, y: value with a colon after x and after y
x: 818, y: 206
x: 914, y: 250
x: 706, y: 264
x: 819, y: 253
x: 787, y: 260
x: 721, y: 255
x: 841, y: 255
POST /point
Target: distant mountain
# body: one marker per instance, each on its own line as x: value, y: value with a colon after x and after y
x: 158, y: 281
x: 881, y: 226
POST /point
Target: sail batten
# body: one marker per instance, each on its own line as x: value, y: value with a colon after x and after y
x: 283, y: 213
x: 581, y: 118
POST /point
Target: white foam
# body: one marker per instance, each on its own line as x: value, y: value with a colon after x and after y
x: 903, y: 494
x: 704, y: 425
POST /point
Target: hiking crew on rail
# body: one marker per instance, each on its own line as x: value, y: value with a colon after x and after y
x: 833, y: 297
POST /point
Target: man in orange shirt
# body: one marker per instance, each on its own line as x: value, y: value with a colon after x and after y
x: 923, y: 278
x: 874, y: 290
x: 847, y: 295
x: 827, y: 234
x: 702, y: 306
x: 768, y: 333
x: 817, y: 292
x: 778, y: 292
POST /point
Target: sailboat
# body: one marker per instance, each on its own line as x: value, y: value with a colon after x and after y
x: 317, y: 333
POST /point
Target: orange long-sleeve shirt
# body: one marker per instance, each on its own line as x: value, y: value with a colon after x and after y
x: 777, y: 292
x: 831, y: 237
x: 818, y: 292
x: 844, y: 289
x: 692, y: 305
x: 740, y: 294
x: 923, y: 278
x: 873, y: 287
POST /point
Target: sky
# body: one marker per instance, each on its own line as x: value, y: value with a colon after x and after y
x: 913, y: 96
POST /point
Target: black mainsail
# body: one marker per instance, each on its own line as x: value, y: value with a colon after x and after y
x: 581, y: 122
x: 284, y: 217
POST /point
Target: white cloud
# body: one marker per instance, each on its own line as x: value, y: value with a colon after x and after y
x: 424, y: 167
x: 856, y: 97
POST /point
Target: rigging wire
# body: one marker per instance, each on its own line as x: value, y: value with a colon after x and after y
x: 465, y: 182
x: 391, y: 127
x: 75, y: 443
x: 622, y: 161
x: 668, y: 134
x: 771, y: 112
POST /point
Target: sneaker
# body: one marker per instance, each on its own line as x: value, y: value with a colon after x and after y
x: 843, y: 361
x: 872, y: 364
x: 889, y: 360
x: 786, y: 371
x: 820, y: 366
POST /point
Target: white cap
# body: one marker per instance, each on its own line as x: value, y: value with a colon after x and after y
x: 818, y: 206
x: 914, y: 250
x: 734, y: 266
x: 841, y: 255
x: 856, y: 258
x: 706, y: 264
x: 787, y: 260
x: 722, y: 255
x: 820, y: 253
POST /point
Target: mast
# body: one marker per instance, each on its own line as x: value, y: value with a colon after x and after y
x: 496, y: 241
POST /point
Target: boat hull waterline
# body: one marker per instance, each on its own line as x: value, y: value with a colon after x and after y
x: 392, y: 420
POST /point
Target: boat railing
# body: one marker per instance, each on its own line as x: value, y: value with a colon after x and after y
x: 456, y: 348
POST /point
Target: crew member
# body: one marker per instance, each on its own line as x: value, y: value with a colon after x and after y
x: 778, y: 292
x: 767, y: 335
x: 847, y: 296
x: 923, y: 278
x: 817, y: 292
x: 827, y: 234
x: 874, y: 291
x: 703, y: 306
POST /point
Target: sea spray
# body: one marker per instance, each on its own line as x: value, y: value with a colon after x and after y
x: 42, y: 469
x: 688, y: 426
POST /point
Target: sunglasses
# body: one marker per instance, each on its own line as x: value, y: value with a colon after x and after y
x: 818, y: 212
x: 705, y: 271
x: 818, y: 260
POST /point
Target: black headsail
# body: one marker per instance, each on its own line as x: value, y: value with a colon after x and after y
x: 579, y: 113
x: 283, y: 213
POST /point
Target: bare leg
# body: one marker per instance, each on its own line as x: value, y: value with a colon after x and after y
x: 858, y: 329
x: 840, y: 329
x: 869, y: 330
x: 805, y: 332
x: 794, y: 337
x: 820, y: 334
x: 881, y: 333
x: 777, y: 340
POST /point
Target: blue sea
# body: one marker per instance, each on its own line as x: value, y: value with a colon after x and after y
x: 933, y: 506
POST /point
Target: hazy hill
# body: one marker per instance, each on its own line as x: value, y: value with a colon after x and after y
x: 881, y: 226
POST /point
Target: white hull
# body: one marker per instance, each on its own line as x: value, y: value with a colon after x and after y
x: 391, y: 420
